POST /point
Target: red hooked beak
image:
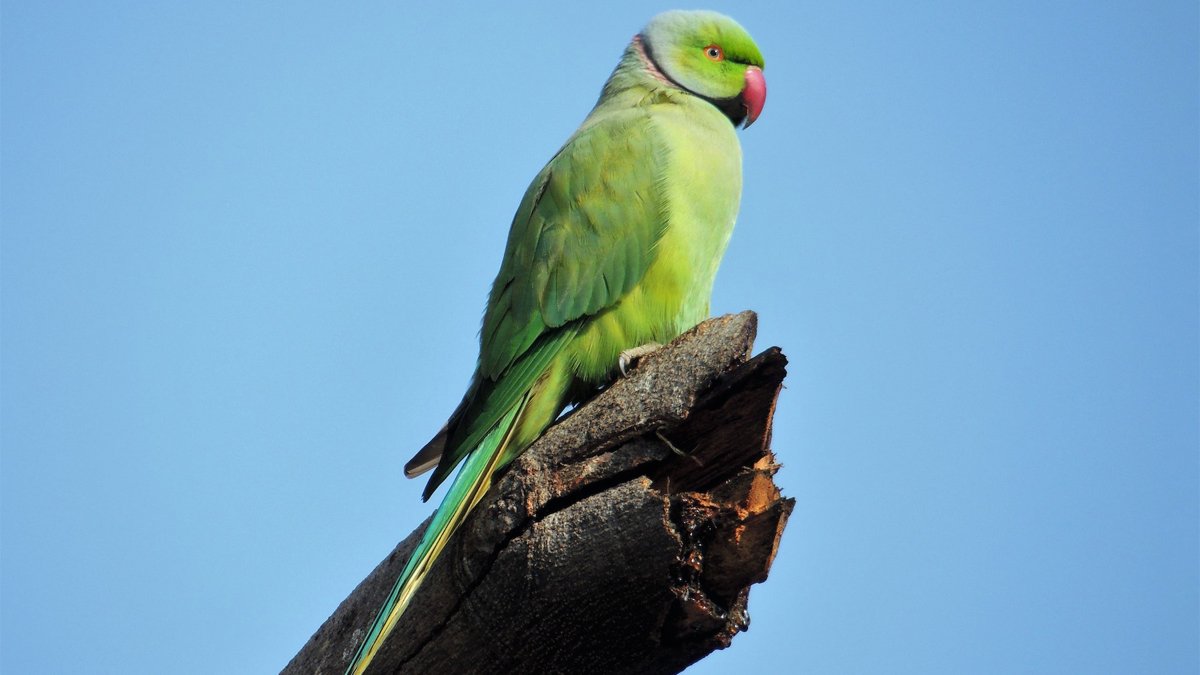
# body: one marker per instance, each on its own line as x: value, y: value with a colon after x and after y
x: 754, y: 95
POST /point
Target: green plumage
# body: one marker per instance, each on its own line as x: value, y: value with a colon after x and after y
x: 614, y: 245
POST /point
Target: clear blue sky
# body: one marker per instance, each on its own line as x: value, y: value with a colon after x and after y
x: 246, y: 246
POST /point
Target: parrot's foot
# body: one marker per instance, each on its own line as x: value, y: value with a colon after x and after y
x: 630, y: 356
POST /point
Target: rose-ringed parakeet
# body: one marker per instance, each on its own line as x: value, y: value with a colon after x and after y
x: 613, y: 248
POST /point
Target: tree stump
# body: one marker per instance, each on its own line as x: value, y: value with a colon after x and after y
x: 625, y: 540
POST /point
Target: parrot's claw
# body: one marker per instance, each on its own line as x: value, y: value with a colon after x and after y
x: 629, y: 357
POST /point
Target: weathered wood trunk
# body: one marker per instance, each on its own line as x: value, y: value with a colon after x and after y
x: 624, y: 541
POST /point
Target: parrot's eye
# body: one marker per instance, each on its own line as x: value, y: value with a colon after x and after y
x: 714, y: 53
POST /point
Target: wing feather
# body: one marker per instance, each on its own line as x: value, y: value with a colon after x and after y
x: 584, y: 235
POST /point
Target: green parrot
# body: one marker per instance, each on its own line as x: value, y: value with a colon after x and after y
x: 612, y: 252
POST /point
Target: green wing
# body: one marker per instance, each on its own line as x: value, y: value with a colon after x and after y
x: 583, y: 236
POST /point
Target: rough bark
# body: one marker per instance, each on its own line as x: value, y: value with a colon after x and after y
x: 602, y: 549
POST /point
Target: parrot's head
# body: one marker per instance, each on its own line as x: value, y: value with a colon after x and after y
x: 711, y: 56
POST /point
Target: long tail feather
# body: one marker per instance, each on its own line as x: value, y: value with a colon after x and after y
x: 428, y: 456
x: 469, y: 486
